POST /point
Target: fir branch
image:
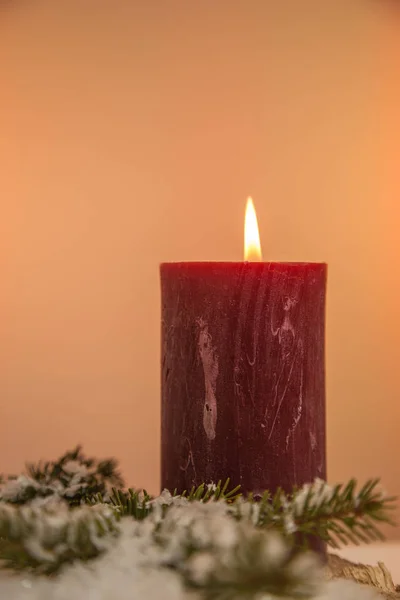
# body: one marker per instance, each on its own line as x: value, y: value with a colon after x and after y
x: 74, y: 468
x: 226, y: 559
x: 343, y: 515
x: 211, y: 491
x: 72, y: 477
x: 43, y: 537
x: 139, y: 504
x: 131, y: 503
x: 337, y: 515
x: 254, y: 571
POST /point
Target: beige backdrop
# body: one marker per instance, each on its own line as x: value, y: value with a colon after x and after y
x: 131, y: 132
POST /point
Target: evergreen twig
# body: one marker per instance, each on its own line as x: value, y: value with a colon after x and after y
x: 45, y: 537
x: 337, y: 515
x: 73, y: 477
x: 347, y: 515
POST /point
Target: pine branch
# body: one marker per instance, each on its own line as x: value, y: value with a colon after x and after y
x: 206, y: 492
x: 44, y: 537
x: 226, y: 559
x: 131, y: 503
x: 73, y: 477
x: 139, y: 504
x: 342, y: 515
x: 337, y: 515
x: 73, y: 468
x: 253, y: 571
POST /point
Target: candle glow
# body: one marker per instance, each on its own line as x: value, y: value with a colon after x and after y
x: 252, y: 246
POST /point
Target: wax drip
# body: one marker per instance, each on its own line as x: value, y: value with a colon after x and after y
x: 209, y: 360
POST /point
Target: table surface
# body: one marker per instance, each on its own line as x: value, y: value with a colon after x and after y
x: 371, y: 554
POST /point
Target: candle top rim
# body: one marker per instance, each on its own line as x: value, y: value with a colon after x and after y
x: 242, y: 262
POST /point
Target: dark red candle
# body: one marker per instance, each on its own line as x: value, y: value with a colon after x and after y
x: 243, y: 378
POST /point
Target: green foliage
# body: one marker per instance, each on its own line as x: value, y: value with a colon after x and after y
x: 206, y: 492
x: 98, y: 475
x: 126, y: 503
x: 348, y: 516
x: 73, y: 477
x: 45, y: 537
x: 336, y: 515
x: 226, y: 559
x: 139, y: 504
x: 252, y: 574
x: 66, y: 510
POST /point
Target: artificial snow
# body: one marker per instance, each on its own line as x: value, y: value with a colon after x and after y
x: 123, y: 573
x: 178, y: 552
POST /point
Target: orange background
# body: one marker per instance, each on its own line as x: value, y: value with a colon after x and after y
x: 132, y: 132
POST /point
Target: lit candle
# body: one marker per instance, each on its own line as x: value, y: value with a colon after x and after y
x: 243, y: 373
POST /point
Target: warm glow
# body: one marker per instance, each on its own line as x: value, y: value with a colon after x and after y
x: 252, y: 246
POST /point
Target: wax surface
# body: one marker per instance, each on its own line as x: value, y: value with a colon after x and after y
x: 243, y: 377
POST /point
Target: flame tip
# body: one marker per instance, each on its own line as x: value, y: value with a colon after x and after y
x: 252, y: 246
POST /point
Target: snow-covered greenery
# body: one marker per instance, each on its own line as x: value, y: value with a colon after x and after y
x: 56, y: 543
x: 195, y: 551
x: 73, y: 477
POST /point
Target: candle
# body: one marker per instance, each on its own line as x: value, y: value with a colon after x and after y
x: 243, y: 374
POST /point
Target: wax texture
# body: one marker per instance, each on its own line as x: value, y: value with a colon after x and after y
x: 243, y: 374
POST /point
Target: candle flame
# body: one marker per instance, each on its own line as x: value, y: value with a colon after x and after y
x: 252, y: 246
